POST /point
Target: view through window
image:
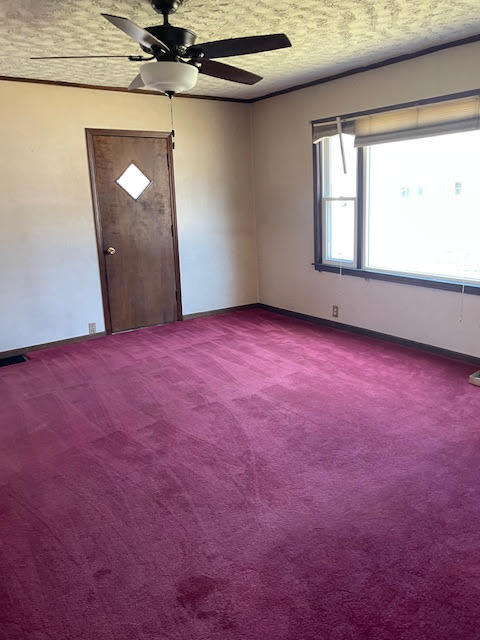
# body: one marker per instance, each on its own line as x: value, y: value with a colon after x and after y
x: 423, y: 206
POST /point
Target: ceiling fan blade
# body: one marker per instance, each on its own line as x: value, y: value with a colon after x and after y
x: 142, y: 36
x: 137, y: 83
x: 242, y: 46
x: 227, y: 72
x: 72, y: 57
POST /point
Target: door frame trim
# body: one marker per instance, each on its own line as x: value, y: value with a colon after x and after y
x: 167, y: 135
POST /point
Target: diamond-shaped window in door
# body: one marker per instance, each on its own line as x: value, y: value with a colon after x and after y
x: 133, y: 181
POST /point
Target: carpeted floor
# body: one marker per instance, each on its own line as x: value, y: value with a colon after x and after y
x: 240, y: 477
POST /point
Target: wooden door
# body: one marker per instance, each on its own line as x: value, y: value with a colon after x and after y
x: 132, y: 184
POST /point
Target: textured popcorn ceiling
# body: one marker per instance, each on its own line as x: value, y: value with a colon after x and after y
x: 328, y: 36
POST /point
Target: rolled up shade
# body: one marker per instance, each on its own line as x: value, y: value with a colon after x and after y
x: 395, y: 124
x: 418, y: 122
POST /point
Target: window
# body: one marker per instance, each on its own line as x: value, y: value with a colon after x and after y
x: 408, y: 206
x: 133, y: 181
x: 339, y: 201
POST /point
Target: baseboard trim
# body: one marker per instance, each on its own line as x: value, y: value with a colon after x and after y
x: 385, y: 337
x: 48, y: 345
x: 218, y: 312
x: 370, y: 333
x: 100, y: 334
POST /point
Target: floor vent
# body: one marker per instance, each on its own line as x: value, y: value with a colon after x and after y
x: 4, y: 362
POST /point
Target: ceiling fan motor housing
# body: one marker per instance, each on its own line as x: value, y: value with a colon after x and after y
x: 177, y: 39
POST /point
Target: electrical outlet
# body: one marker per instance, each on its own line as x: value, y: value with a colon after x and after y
x: 335, y: 311
x: 92, y: 327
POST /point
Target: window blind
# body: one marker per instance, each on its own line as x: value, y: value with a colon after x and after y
x: 418, y: 122
x: 438, y: 118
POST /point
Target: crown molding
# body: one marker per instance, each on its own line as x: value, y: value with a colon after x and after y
x: 78, y: 85
x: 370, y: 67
x: 312, y: 83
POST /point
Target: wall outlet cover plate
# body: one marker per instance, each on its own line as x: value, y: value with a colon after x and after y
x: 475, y: 379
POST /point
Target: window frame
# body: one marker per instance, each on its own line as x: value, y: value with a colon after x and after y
x: 324, y: 177
x: 320, y: 264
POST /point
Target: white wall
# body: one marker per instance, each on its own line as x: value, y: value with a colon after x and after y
x: 284, y: 206
x: 49, y: 283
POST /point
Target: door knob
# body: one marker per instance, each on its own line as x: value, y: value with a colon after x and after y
x: 110, y: 251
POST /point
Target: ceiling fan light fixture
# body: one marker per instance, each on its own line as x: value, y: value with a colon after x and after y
x: 169, y: 77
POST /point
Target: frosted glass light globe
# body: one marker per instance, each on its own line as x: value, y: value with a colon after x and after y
x: 169, y: 76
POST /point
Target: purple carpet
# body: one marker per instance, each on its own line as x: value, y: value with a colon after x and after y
x: 239, y: 477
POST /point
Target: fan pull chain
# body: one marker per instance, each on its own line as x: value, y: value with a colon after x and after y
x: 170, y: 97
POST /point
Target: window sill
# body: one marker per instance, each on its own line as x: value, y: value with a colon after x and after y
x: 445, y: 285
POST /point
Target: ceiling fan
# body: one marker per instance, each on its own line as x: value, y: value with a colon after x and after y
x: 178, y: 60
